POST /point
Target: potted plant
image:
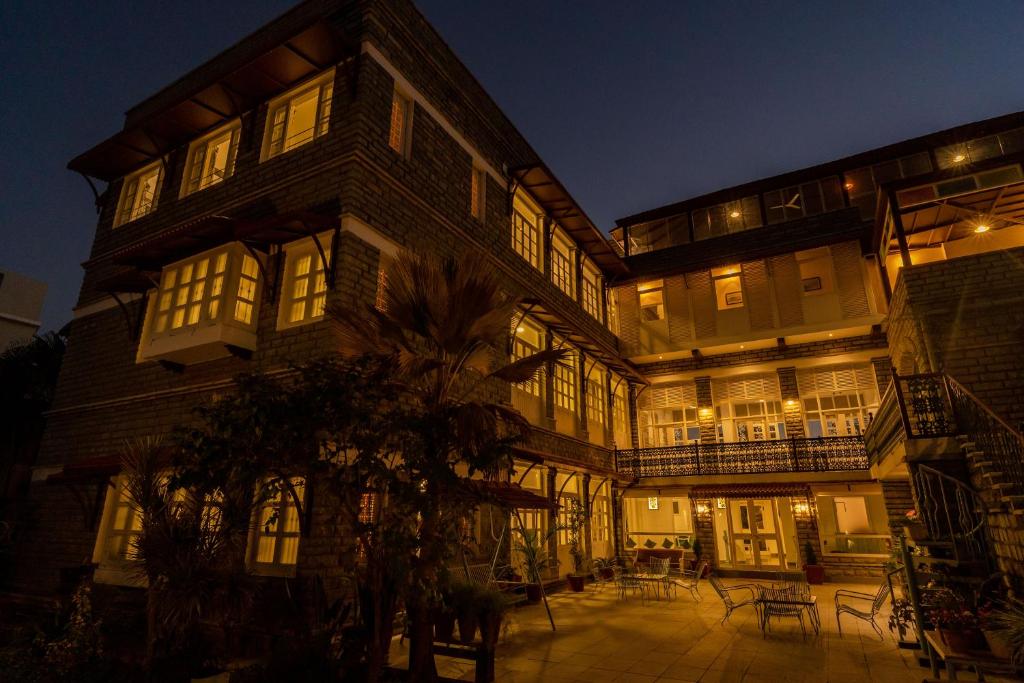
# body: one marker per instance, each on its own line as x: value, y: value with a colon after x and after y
x: 444, y: 621
x: 576, y: 521
x: 530, y: 549
x: 492, y: 605
x: 464, y: 598
x: 915, y: 529
x: 956, y: 623
x: 814, y: 571
x: 901, y: 622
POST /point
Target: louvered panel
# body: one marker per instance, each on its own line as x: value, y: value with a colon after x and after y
x: 677, y: 305
x: 629, y: 318
x: 676, y: 395
x: 788, y: 294
x: 705, y: 309
x: 853, y: 299
x: 758, y: 292
x: 757, y: 387
x: 836, y: 378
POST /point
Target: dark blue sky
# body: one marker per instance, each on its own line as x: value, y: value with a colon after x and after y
x: 633, y: 105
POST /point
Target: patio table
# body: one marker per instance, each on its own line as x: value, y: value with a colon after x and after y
x: 655, y: 579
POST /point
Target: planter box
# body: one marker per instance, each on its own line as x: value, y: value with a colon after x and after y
x: 815, y: 573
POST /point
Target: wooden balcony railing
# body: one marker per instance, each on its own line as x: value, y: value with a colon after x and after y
x: 827, y: 454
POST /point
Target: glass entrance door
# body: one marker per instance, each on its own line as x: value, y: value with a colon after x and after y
x: 752, y: 534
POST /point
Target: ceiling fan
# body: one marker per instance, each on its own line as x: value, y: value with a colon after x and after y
x: 791, y: 204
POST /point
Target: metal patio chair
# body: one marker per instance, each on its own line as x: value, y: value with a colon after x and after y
x: 689, y: 579
x: 625, y: 582
x: 865, y: 610
x: 725, y: 593
x: 791, y: 600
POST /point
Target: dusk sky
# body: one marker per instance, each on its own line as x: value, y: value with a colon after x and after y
x: 633, y: 105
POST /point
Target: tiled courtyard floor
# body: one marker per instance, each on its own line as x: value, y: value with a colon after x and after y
x: 601, y: 638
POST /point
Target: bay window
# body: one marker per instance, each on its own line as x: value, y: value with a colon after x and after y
x: 299, y: 116
x: 202, y: 305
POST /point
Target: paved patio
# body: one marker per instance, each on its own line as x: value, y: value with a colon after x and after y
x: 601, y: 638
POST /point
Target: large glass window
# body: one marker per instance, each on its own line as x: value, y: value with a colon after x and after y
x: 728, y: 287
x: 526, y: 230
x: 722, y: 219
x: 139, y: 194
x: 591, y: 294
x: 853, y: 523
x: 305, y: 286
x: 528, y: 340
x: 748, y: 408
x: 565, y: 382
x: 563, y: 270
x: 274, y: 547
x: 299, y: 116
x: 658, y: 234
x: 837, y: 400
x: 652, y: 300
x: 806, y: 199
x: 667, y: 415
x: 400, y: 133
x: 597, y: 397
x: 211, y: 159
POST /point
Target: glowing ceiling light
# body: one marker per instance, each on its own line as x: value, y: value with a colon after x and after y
x: 519, y: 329
x: 848, y: 186
x: 982, y: 228
x: 959, y: 158
x: 734, y: 214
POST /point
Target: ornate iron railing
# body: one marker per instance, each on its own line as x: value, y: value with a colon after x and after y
x: 1002, y: 444
x: 953, y: 512
x: 912, y: 407
x: 827, y: 454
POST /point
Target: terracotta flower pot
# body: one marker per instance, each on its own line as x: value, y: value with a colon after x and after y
x: 607, y: 573
x: 575, y: 582
x: 815, y: 573
x: 533, y: 592
x: 444, y: 626
x: 998, y: 643
x: 490, y: 628
x: 960, y: 641
x: 467, y: 626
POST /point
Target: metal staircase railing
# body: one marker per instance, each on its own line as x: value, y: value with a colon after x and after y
x: 1002, y: 444
x: 952, y: 511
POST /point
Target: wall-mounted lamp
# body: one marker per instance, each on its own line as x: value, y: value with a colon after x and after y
x: 703, y: 509
x: 801, y: 509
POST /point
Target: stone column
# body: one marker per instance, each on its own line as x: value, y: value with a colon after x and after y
x: 552, y: 517
x: 704, y: 529
x: 549, y: 383
x: 588, y: 541
x: 634, y: 429
x: 583, y: 430
x: 791, y: 411
x: 807, y: 525
x: 705, y: 411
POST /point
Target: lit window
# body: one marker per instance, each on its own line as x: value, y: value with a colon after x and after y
x: 565, y: 383
x: 211, y: 159
x: 305, y: 284
x: 596, y: 400
x: 728, y: 287
x: 477, y: 190
x: 612, y: 306
x: 837, y: 401
x: 667, y: 415
x: 815, y: 271
x: 274, y: 547
x: 528, y: 340
x: 191, y: 292
x: 601, y: 516
x: 652, y: 300
x: 401, y: 123
x: 122, y: 524
x: 749, y: 408
x: 562, y: 270
x: 248, y: 280
x: 591, y: 290
x: 139, y: 194
x: 299, y: 116
x: 526, y: 230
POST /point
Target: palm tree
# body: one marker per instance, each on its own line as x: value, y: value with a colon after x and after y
x: 444, y: 324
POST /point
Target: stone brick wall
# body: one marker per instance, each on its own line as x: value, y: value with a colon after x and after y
x: 965, y: 317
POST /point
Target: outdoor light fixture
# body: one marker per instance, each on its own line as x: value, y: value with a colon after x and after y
x: 848, y: 186
x: 519, y: 329
x: 734, y: 214
x: 801, y: 509
x: 703, y: 509
x: 959, y: 158
x: 982, y: 228
x: 790, y: 402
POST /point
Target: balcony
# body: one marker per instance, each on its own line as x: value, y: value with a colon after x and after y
x: 826, y: 454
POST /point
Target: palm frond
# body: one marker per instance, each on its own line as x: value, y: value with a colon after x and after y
x: 525, y: 369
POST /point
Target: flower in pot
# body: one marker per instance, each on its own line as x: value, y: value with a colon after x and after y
x: 901, y: 620
x: 814, y: 571
x: 915, y: 528
x: 956, y: 623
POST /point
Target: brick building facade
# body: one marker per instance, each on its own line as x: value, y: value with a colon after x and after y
x: 727, y: 352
